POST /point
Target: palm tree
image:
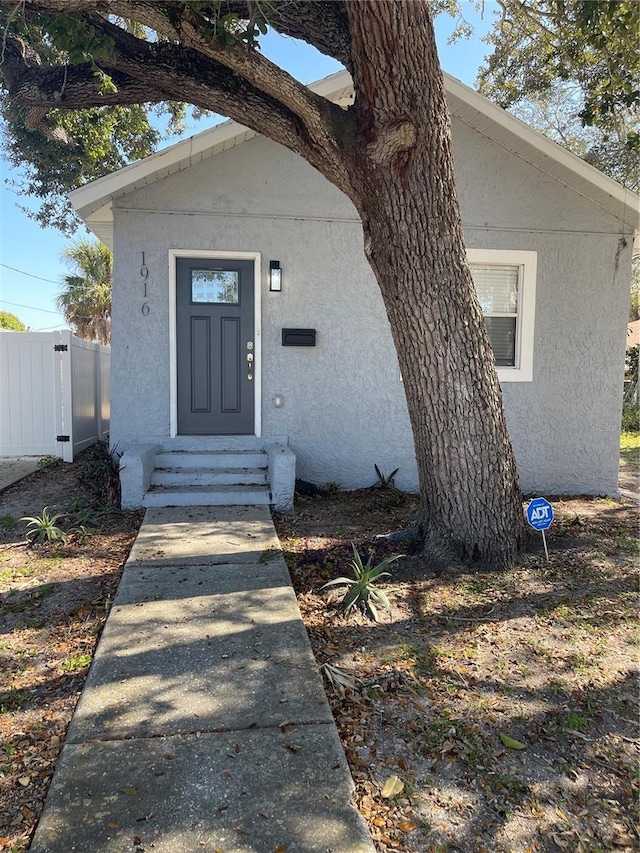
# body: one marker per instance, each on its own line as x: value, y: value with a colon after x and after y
x: 85, y: 300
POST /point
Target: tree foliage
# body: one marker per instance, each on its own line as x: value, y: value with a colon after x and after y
x: 594, y: 45
x: 85, y: 299
x: 11, y: 322
x: 117, y: 119
x: 556, y: 114
x: 536, y: 44
x: 104, y: 139
x: 91, y: 142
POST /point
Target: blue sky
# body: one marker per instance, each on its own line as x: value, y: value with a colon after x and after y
x: 36, y: 252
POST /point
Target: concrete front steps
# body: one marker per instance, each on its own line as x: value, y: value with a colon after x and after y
x: 201, y: 478
x: 209, y: 471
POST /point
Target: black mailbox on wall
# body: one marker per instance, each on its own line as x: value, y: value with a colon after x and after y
x: 298, y: 337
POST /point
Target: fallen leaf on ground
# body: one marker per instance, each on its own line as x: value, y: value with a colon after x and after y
x: 511, y: 743
x: 392, y: 787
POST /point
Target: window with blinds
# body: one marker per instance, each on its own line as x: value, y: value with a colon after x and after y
x: 505, y: 281
x: 498, y: 287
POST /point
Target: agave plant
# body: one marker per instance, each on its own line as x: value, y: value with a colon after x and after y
x: 362, y: 590
x: 339, y: 678
x: 43, y: 528
x: 385, y: 481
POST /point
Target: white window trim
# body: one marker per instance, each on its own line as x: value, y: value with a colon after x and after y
x: 528, y: 263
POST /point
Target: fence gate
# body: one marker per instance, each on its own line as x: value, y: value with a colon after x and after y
x: 54, y: 394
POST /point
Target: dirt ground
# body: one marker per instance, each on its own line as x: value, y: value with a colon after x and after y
x: 545, y: 654
x: 54, y: 600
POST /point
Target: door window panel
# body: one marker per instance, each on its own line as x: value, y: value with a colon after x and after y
x: 215, y: 287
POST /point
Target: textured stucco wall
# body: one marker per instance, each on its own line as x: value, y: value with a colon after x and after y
x: 565, y: 424
x: 344, y: 407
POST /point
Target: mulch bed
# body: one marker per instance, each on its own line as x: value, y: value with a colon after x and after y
x: 545, y: 654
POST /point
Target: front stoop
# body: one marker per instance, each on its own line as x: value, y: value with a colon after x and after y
x: 209, y: 478
x: 203, y: 471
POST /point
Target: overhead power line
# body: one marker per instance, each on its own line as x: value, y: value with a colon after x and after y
x: 46, y: 310
x: 30, y: 275
x: 31, y: 307
x: 62, y: 283
x: 50, y: 328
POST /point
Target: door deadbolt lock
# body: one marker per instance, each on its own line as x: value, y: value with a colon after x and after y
x: 250, y: 357
x: 249, y: 344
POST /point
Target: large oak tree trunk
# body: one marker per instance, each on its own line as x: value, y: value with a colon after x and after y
x: 471, y: 507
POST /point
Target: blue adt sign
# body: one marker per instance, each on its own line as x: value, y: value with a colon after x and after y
x: 540, y: 514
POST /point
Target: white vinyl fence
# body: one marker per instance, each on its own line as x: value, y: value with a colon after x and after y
x: 54, y: 394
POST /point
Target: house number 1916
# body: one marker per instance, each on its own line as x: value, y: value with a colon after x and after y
x: 144, y: 272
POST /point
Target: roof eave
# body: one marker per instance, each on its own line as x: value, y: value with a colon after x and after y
x: 98, y: 195
x: 88, y: 198
x: 547, y: 146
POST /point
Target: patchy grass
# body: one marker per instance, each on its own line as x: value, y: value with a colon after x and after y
x: 545, y: 654
x: 630, y: 461
x: 77, y: 662
x: 630, y: 441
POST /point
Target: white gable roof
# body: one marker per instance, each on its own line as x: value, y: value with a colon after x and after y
x: 93, y: 202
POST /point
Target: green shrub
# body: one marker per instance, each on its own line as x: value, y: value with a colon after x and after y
x: 101, y: 473
x: 48, y: 462
x: 630, y: 418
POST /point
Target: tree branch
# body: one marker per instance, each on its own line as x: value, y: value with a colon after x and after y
x: 242, y: 84
x: 155, y: 71
x: 69, y: 87
x: 41, y: 88
x: 534, y: 16
x: 321, y: 23
x: 183, y: 23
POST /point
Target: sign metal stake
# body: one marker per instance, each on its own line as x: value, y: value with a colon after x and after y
x: 544, y: 542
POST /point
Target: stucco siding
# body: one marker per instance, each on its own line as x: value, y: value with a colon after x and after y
x: 343, y: 400
x: 338, y: 396
x: 498, y: 189
x: 495, y: 188
x: 565, y: 424
x: 257, y: 177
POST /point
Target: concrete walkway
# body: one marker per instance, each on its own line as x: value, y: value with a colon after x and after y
x: 203, y: 725
x: 15, y: 468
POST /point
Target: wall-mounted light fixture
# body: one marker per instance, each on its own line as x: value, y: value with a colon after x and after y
x: 275, y: 276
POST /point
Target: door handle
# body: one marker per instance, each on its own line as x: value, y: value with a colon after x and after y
x: 250, y: 358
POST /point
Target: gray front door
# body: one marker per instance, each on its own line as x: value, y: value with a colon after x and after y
x: 215, y: 346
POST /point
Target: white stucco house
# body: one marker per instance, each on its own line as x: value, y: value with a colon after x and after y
x: 250, y: 340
